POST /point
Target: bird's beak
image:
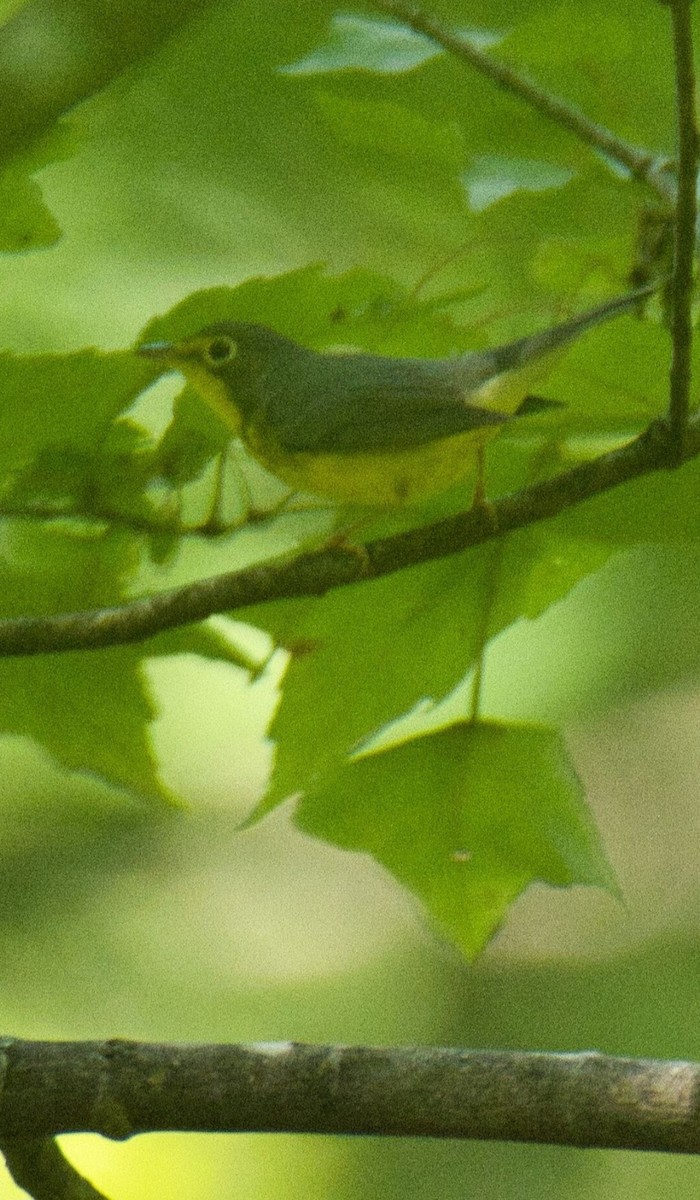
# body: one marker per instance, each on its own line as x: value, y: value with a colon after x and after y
x: 158, y: 350
x: 162, y: 352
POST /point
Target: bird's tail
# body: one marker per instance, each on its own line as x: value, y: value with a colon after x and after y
x: 486, y: 364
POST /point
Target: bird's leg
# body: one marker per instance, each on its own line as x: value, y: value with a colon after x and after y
x: 258, y: 515
x: 480, y: 501
x: 213, y: 523
x: 343, y: 539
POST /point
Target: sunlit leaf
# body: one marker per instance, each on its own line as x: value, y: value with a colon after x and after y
x: 25, y: 221
x: 492, y: 177
x: 363, y: 44
x: 466, y: 819
x: 395, y: 130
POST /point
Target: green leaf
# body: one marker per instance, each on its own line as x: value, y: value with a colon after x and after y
x: 492, y: 177
x: 614, y: 379
x: 417, y: 633
x: 67, y: 401
x: 25, y: 221
x: 210, y: 640
x: 395, y: 130
x: 9, y: 7
x: 90, y: 711
x: 72, y: 459
x: 192, y: 439
x: 628, y: 632
x: 125, y: 467
x: 114, y: 485
x: 362, y: 44
x: 662, y: 509
x: 466, y: 819
x: 307, y: 305
x: 537, y: 567
x: 541, y: 251
x: 561, y: 33
x: 361, y: 656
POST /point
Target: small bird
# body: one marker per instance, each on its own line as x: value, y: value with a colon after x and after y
x: 364, y: 429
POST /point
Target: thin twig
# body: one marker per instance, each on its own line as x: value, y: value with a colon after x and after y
x: 320, y: 571
x: 654, y: 170
x: 96, y: 516
x: 38, y: 1165
x: 155, y: 526
x: 685, y: 224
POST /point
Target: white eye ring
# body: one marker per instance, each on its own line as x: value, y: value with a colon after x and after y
x: 220, y: 350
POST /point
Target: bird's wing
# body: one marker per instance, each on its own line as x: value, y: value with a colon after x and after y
x: 355, y: 403
x: 364, y: 404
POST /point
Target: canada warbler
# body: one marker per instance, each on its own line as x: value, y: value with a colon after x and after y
x: 362, y: 428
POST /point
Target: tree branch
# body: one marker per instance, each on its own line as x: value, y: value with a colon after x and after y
x: 120, y: 1088
x: 38, y: 1166
x: 685, y: 224
x: 651, y: 169
x: 320, y: 571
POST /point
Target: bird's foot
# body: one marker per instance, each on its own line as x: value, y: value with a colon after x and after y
x: 343, y: 540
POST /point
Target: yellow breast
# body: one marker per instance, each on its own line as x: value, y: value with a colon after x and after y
x: 388, y: 479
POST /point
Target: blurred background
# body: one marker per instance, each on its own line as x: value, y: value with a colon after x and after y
x: 204, y: 165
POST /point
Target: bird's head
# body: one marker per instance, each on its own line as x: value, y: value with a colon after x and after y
x: 227, y: 363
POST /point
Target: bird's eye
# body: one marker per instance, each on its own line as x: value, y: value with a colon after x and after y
x: 220, y: 349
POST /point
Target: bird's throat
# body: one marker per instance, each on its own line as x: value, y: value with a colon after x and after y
x: 215, y: 393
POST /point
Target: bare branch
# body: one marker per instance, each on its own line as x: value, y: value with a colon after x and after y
x: 121, y: 1088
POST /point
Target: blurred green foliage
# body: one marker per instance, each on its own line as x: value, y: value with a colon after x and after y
x: 359, y: 660
x: 335, y: 177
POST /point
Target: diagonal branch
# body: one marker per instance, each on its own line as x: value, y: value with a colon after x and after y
x: 316, y: 573
x: 651, y: 169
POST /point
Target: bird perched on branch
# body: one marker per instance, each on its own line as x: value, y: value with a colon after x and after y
x: 365, y: 429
